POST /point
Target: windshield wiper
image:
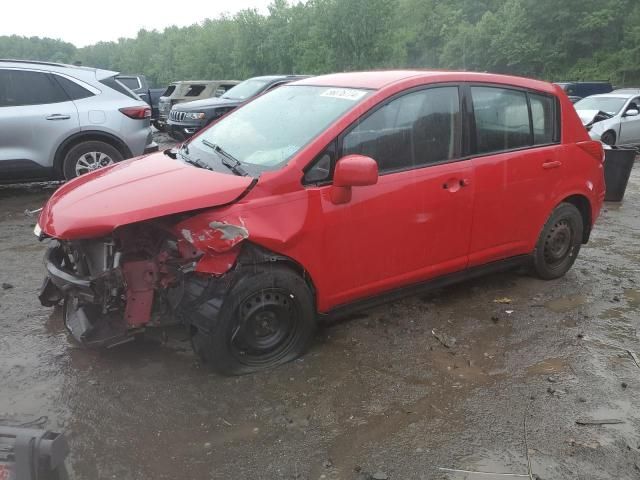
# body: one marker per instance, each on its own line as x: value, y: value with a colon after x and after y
x: 226, y: 158
x: 183, y: 151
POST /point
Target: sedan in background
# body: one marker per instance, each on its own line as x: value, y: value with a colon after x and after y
x: 612, y: 118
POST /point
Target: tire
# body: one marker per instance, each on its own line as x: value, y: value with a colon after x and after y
x: 161, y: 127
x: 266, y: 319
x: 88, y: 156
x: 559, y: 242
x: 608, y: 138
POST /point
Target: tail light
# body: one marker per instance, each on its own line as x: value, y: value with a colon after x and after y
x: 138, y: 113
x: 593, y: 148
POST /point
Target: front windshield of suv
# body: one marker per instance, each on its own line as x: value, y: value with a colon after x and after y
x: 610, y: 105
x: 246, y: 89
x: 267, y: 132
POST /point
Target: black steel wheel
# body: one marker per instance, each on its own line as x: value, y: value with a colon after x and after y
x: 559, y: 242
x: 267, y: 318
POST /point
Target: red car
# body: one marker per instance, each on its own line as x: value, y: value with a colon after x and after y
x: 324, y: 196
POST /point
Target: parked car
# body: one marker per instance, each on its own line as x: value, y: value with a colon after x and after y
x: 187, y: 118
x: 186, y: 91
x: 613, y: 118
x: 319, y: 198
x: 60, y: 121
x: 138, y: 85
x: 578, y: 90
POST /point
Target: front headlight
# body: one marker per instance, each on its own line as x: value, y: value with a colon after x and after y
x: 194, y: 116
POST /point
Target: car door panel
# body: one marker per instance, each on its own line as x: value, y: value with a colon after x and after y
x: 630, y: 126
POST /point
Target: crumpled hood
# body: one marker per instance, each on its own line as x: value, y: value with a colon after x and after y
x: 143, y: 188
x: 206, y: 103
x: 587, y: 116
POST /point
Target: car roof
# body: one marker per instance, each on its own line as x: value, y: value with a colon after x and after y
x: 57, y: 67
x: 376, y: 80
x: 615, y: 95
x: 273, y: 78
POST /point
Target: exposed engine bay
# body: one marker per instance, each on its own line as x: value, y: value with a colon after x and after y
x: 114, y: 287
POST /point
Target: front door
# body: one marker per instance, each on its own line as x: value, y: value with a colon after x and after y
x: 630, y: 126
x: 415, y: 223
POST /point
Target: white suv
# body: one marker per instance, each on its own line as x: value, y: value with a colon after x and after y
x: 60, y: 121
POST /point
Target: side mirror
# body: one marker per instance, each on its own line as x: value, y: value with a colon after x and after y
x: 352, y: 171
x: 632, y: 112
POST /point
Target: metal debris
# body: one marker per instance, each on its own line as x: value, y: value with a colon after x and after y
x: 446, y: 340
x: 602, y: 421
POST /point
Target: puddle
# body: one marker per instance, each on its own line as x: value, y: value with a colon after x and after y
x: 633, y: 297
x: 548, y: 366
x: 564, y: 304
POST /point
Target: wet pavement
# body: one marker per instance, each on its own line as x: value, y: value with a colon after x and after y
x: 378, y: 395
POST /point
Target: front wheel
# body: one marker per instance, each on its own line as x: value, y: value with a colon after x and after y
x: 608, y: 138
x: 559, y: 242
x: 267, y: 318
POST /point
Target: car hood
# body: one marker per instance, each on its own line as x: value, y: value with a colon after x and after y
x: 153, y: 186
x: 207, y: 103
x: 591, y: 116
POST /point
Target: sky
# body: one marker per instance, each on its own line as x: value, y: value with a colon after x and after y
x: 87, y: 22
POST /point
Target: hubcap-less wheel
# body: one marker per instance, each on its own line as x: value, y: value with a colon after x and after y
x: 558, y: 243
x: 266, y: 326
x: 91, y: 161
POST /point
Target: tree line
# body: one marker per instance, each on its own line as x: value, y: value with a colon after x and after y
x: 548, y: 39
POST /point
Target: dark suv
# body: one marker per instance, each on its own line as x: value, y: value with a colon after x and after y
x: 578, y: 90
x: 187, y: 118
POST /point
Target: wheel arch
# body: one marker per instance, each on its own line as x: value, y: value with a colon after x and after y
x: 583, y: 205
x: 87, y: 136
x: 253, y: 254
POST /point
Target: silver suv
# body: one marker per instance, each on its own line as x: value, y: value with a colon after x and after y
x: 60, y: 121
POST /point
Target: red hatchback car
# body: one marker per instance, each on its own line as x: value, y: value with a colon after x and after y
x: 326, y: 195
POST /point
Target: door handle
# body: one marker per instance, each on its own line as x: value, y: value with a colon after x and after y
x: 58, y: 116
x: 554, y: 164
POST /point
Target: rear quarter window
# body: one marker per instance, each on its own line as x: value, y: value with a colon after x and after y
x: 114, y: 84
x: 72, y: 89
x: 544, y: 119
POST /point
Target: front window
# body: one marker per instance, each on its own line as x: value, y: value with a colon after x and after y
x: 267, y: 132
x: 610, y: 105
x: 247, y: 89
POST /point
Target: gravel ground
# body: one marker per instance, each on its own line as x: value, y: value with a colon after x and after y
x: 378, y: 396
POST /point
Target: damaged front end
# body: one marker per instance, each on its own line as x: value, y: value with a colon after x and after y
x: 114, y: 287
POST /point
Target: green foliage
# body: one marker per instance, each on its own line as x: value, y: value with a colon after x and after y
x: 568, y: 40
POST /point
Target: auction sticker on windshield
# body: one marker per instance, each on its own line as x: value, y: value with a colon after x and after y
x: 344, y: 93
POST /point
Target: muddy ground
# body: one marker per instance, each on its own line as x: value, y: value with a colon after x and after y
x: 378, y: 396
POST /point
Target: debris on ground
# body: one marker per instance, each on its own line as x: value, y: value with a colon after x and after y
x: 602, y: 421
x: 380, y: 476
x: 502, y: 300
x: 472, y: 472
x: 509, y: 312
x: 446, y: 340
x: 636, y: 360
x: 6, y: 286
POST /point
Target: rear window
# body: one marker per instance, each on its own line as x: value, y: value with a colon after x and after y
x: 18, y: 88
x: 72, y: 89
x: 195, y: 90
x: 170, y: 89
x: 114, y: 84
x: 543, y: 117
x: 131, y: 83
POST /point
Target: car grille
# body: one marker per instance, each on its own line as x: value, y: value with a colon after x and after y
x: 177, y: 116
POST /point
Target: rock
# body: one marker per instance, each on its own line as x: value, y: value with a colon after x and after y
x: 553, y: 378
x: 624, y: 385
x: 6, y: 286
x: 380, y: 476
x: 582, y: 400
x: 495, y: 318
x: 207, y: 445
x: 616, y: 298
x: 328, y: 463
x: 580, y: 335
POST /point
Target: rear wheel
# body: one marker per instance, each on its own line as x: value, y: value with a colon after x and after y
x: 608, y: 138
x: 267, y: 319
x: 160, y: 126
x: 88, y: 156
x: 559, y: 242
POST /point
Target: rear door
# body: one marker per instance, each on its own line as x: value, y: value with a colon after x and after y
x: 630, y: 126
x: 36, y: 115
x: 517, y: 164
x: 415, y: 223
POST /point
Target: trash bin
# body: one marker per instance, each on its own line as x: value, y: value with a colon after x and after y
x: 618, y: 163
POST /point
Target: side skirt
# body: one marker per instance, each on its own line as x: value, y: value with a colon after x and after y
x: 342, y: 311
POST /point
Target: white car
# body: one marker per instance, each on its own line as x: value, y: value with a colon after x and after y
x: 613, y: 118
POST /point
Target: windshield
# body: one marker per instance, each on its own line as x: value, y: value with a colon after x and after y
x: 610, y: 105
x: 267, y: 132
x: 246, y: 89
